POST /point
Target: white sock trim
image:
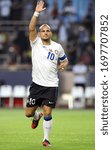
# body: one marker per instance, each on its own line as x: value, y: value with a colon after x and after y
x: 36, y: 115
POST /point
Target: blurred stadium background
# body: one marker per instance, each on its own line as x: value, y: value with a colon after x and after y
x: 73, y: 25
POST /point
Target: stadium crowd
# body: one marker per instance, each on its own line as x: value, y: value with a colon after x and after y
x: 72, y: 23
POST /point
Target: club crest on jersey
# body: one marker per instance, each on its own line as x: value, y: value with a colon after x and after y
x: 56, y: 51
x: 50, y: 50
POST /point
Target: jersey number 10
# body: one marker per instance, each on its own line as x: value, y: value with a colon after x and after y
x: 50, y: 56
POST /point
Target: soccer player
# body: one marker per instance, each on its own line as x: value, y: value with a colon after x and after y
x: 47, y: 58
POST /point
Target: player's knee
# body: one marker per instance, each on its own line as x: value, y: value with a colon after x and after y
x: 28, y: 114
x: 47, y: 111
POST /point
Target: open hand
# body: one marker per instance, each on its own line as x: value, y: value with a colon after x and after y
x: 40, y: 6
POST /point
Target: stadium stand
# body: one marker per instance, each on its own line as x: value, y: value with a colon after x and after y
x: 6, y: 96
x: 89, y: 96
x: 19, y: 93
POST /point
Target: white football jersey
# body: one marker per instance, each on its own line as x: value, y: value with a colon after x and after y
x: 44, y: 62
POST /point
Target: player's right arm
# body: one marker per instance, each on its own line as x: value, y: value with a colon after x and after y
x: 32, y: 26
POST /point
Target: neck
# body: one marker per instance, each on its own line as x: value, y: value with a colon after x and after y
x: 46, y: 42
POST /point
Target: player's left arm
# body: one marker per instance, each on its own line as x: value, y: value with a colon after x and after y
x: 63, y: 61
x: 63, y: 64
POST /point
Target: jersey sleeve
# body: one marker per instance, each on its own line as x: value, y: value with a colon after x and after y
x: 33, y: 42
x: 62, y: 55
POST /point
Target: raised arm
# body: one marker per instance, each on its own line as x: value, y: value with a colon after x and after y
x: 32, y: 26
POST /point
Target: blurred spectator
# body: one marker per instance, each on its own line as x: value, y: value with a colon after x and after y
x: 73, y: 33
x: 86, y: 58
x: 80, y: 74
x: 21, y: 42
x: 27, y: 10
x: 3, y: 42
x: 68, y: 8
x: 69, y: 13
x: 26, y: 57
x: 54, y: 10
x: 63, y: 35
x: 17, y: 9
x: 83, y: 36
x: 54, y: 23
x: 76, y: 54
x: 54, y: 19
x: 90, y: 49
x: 5, y: 9
x: 15, y: 58
x: 89, y: 18
x: 55, y: 36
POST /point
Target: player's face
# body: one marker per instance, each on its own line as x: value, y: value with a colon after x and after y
x: 45, y: 33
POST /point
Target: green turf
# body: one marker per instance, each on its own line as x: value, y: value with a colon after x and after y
x: 72, y: 130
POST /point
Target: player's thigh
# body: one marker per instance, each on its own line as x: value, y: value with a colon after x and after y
x: 30, y: 111
x: 47, y: 110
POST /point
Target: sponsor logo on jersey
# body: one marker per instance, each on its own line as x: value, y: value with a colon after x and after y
x: 51, y: 102
x: 50, y: 50
x: 56, y: 51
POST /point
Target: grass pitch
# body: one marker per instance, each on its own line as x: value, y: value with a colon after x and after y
x: 72, y: 130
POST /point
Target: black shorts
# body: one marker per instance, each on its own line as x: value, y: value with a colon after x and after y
x: 40, y: 95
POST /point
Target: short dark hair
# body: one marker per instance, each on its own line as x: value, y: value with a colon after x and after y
x: 43, y: 26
